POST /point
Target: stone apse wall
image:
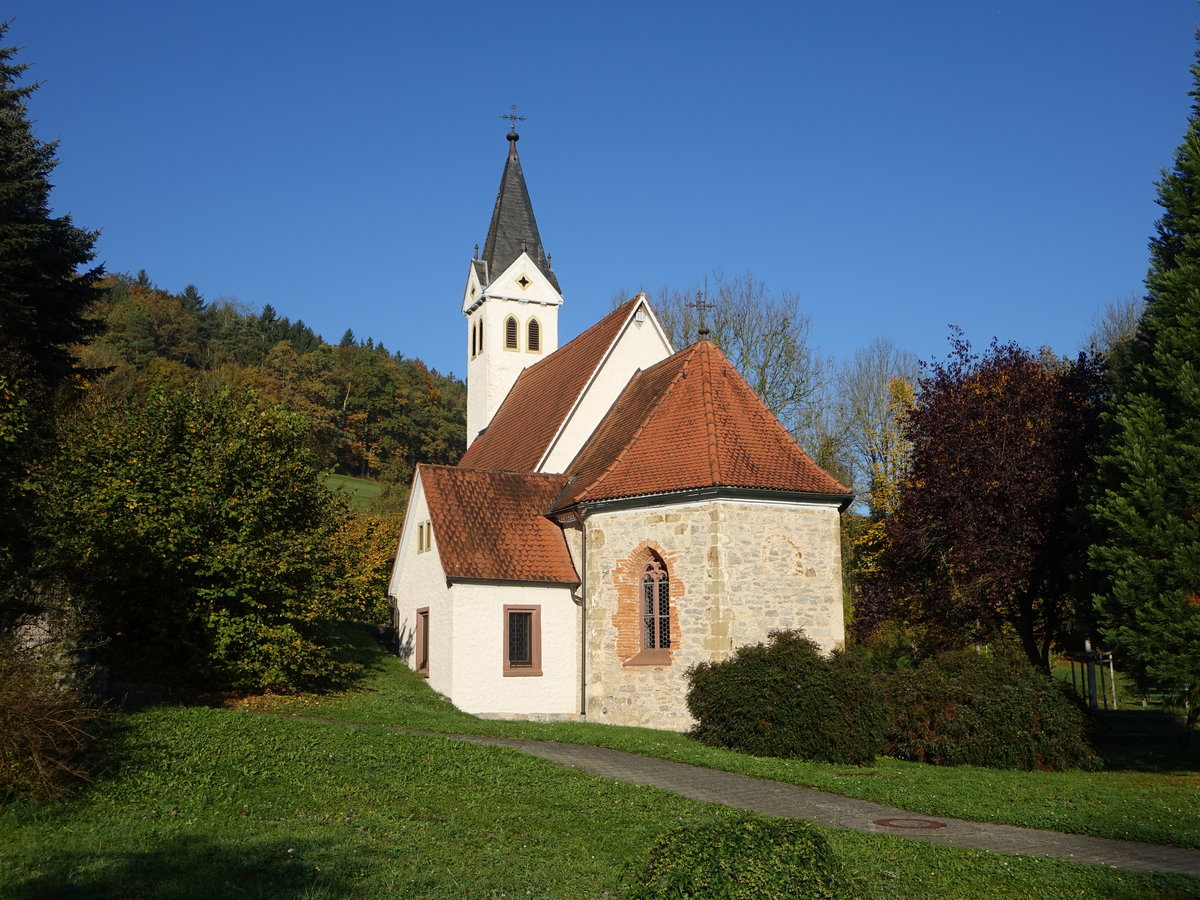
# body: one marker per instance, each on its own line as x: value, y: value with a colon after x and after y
x: 738, y: 571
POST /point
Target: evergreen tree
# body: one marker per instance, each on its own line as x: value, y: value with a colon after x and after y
x: 1146, y: 506
x: 43, y: 297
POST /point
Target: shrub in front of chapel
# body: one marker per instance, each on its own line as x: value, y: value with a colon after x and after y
x: 786, y: 699
x: 989, y: 708
x: 741, y: 859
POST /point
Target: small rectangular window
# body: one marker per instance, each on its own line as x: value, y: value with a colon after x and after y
x: 424, y: 537
x: 422, y: 641
x: 522, y: 640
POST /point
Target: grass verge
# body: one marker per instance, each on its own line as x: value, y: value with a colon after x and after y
x: 1151, y: 796
x: 214, y: 803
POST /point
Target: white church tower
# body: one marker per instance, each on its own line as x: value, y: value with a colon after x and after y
x: 511, y: 301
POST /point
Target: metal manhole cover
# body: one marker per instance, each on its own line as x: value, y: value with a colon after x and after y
x: 910, y: 823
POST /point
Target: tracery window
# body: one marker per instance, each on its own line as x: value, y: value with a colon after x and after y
x: 656, y: 606
x: 510, y: 333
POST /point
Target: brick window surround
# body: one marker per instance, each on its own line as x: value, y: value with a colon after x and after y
x: 522, y: 646
x: 422, y: 641
x: 631, y: 619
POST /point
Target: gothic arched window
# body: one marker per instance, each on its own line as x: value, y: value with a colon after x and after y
x: 534, y: 337
x: 510, y: 333
x: 656, y: 606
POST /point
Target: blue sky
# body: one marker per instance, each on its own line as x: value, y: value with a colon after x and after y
x: 900, y: 166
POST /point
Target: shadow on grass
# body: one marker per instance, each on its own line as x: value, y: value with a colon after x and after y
x: 362, y: 646
x: 1145, y: 741
x: 182, y: 868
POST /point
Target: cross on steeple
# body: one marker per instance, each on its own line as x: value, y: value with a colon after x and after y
x: 700, y: 305
x: 513, y: 118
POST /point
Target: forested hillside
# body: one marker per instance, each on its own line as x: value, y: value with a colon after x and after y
x: 371, y: 413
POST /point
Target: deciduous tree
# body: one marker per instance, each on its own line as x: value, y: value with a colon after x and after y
x: 195, y: 528
x: 874, y: 392
x: 980, y: 540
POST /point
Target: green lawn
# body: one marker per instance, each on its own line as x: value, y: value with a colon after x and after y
x: 358, y: 492
x: 218, y: 803
x: 1149, y: 794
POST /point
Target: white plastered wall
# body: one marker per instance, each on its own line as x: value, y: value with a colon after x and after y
x: 639, y: 345
x: 418, y: 581
x: 492, y: 373
x: 466, y: 632
x: 480, y: 685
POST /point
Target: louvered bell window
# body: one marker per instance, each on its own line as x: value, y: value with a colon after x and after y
x: 510, y: 333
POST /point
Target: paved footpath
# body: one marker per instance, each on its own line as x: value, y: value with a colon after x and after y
x: 775, y: 798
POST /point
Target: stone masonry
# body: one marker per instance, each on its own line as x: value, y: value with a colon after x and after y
x: 738, y: 571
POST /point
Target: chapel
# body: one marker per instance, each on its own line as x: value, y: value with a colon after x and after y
x: 623, y: 511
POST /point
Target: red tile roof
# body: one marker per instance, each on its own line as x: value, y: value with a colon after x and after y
x: 492, y: 525
x: 692, y: 421
x: 530, y: 416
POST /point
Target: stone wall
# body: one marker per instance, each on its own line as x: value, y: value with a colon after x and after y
x: 738, y: 570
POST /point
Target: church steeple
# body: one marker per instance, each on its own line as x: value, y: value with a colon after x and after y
x: 513, y: 229
x: 511, y: 300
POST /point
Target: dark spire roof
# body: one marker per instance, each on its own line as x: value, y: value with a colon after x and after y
x: 514, y: 229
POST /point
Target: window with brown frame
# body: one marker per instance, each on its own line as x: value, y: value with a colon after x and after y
x: 510, y: 333
x: 534, y: 337
x: 522, y: 640
x: 422, y: 641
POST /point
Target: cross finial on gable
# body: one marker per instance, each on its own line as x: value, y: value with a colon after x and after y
x: 700, y: 305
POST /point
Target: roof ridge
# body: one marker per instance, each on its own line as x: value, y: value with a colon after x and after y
x: 646, y: 419
x: 710, y: 418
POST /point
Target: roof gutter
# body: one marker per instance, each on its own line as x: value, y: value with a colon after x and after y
x: 712, y: 492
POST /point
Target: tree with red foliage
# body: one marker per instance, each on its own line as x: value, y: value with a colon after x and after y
x: 981, y: 540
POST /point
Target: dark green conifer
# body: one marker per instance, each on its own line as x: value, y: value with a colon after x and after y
x: 44, y: 294
x: 1146, y: 509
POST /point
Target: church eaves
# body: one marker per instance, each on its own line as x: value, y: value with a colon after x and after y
x: 513, y: 229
